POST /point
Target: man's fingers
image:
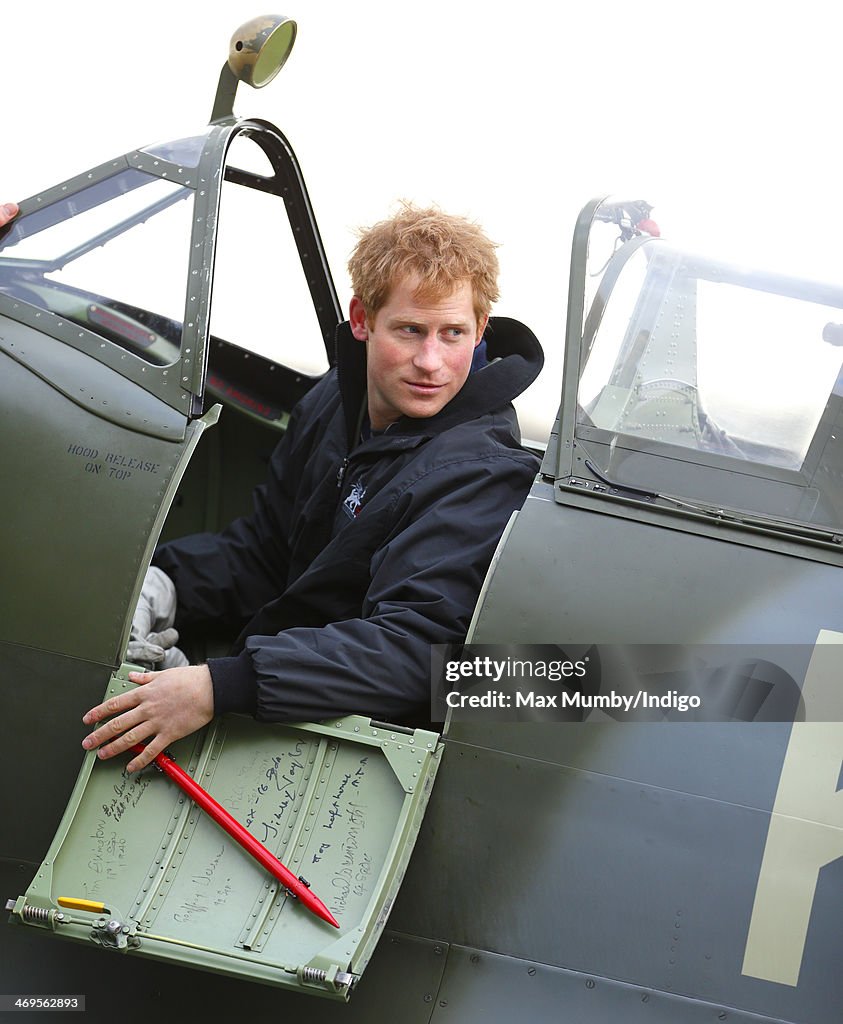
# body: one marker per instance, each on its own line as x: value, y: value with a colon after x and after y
x: 119, y: 733
x: 151, y: 751
x: 122, y: 743
x: 143, y: 677
x: 113, y: 706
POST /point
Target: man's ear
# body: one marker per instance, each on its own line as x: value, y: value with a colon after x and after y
x: 357, y: 319
x: 481, y: 327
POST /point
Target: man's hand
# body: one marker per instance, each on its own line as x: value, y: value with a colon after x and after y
x: 8, y: 211
x: 166, y: 706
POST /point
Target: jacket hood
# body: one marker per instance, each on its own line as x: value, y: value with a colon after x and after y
x: 514, y: 360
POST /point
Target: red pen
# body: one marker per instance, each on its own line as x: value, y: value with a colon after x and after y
x: 242, y: 835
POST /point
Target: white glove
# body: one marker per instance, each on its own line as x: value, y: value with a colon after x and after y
x: 152, y: 638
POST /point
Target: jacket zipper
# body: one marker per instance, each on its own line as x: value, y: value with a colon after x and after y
x: 341, y: 472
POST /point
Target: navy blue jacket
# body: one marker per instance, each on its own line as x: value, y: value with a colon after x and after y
x: 359, y: 555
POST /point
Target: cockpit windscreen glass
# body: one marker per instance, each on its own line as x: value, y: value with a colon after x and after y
x: 735, y: 371
x: 112, y: 258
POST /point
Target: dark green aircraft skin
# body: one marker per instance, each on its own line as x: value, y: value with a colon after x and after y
x: 577, y: 870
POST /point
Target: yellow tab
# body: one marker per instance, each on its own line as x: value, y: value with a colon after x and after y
x: 73, y: 904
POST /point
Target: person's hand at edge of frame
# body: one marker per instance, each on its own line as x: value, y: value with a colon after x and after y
x: 8, y: 211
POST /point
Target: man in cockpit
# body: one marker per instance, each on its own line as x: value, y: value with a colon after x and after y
x: 384, y: 502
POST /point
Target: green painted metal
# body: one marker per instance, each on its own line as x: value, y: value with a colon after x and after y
x: 114, y: 483
x: 92, y: 386
x: 405, y: 972
x: 340, y: 803
x: 486, y: 987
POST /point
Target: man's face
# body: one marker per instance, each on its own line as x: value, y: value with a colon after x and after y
x: 418, y: 351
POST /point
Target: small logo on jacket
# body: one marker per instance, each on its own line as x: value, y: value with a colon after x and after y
x: 355, y: 499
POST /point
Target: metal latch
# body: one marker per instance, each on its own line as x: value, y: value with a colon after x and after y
x: 113, y: 933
